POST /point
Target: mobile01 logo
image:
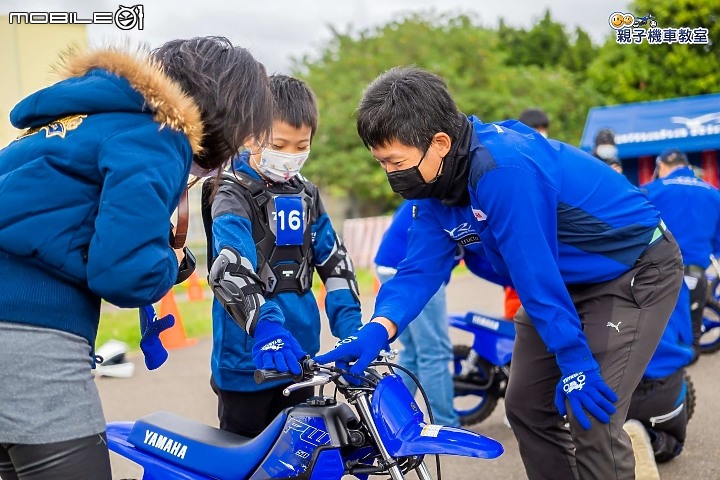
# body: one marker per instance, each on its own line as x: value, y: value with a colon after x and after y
x: 124, y: 18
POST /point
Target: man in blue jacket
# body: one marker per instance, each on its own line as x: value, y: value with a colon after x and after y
x: 597, y: 272
x: 691, y: 209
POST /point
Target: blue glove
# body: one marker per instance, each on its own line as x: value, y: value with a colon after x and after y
x: 585, y: 390
x: 362, y: 347
x: 275, y: 348
x: 150, y: 344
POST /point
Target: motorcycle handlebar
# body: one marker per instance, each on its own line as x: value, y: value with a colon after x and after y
x: 308, y: 366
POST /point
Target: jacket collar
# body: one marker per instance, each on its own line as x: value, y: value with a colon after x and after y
x: 170, y: 104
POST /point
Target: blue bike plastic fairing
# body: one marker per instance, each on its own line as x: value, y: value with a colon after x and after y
x: 329, y: 466
x: 493, y: 338
x: 154, y: 468
x: 203, y: 449
x: 293, y: 452
x: 404, y: 433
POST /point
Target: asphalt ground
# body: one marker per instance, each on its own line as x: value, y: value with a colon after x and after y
x: 182, y: 386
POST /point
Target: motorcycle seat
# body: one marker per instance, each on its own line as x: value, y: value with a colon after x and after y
x: 201, y: 448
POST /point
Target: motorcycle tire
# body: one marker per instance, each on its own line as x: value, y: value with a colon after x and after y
x: 487, y: 394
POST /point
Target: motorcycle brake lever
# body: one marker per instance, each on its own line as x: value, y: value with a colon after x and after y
x: 317, y: 379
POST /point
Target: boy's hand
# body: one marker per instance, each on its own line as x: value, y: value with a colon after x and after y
x: 276, y: 349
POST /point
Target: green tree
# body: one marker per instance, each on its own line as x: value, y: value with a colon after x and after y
x: 581, y: 54
x: 640, y: 72
x: 547, y: 44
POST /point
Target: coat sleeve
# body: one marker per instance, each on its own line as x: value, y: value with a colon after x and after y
x: 144, y: 171
x: 430, y: 258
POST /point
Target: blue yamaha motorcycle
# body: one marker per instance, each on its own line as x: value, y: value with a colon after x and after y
x: 383, y: 433
x: 481, y: 371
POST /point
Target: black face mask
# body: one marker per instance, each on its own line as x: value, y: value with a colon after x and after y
x: 451, y: 181
x: 410, y: 184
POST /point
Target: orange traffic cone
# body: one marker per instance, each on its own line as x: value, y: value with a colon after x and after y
x: 174, y: 337
x: 512, y: 303
x: 376, y: 284
x: 194, y: 288
x: 321, y: 297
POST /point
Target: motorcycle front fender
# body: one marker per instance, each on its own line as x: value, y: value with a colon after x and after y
x: 404, y: 433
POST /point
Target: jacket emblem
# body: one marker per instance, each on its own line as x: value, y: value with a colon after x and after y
x: 58, y: 128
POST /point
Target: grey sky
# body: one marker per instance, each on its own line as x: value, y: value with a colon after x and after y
x: 276, y: 30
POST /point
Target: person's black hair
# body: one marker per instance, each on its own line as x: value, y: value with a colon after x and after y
x: 409, y: 105
x: 605, y: 137
x: 534, y: 118
x: 295, y: 102
x: 673, y: 157
x: 230, y: 88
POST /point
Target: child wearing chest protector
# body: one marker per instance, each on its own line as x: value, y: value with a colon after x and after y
x: 267, y: 231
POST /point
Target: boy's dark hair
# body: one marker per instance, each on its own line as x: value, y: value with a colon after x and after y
x: 295, y: 102
x: 409, y: 105
x: 230, y: 88
x: 534, y: 118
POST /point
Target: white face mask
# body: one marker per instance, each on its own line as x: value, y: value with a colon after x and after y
x: 280, y: 166
x: 607, y: 152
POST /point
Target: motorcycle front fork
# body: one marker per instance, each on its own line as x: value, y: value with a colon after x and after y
x: 363, y: 407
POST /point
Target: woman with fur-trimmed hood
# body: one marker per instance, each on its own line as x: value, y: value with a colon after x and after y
x: 87, y: 193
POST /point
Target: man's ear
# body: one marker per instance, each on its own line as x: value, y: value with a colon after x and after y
x: 442, y: 142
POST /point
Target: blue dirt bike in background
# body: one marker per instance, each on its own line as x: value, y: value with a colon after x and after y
x: 481, y: 371
x: 710, y: 339
x: 317, y: 440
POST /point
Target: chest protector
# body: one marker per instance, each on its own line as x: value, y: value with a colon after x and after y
x: 281, y: 268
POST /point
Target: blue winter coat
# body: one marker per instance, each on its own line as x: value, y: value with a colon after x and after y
x: 88, y: 190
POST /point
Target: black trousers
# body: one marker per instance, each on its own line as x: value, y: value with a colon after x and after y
x: 248, y: 413
x: 658, y: 406
x: 79, y: 459
x: 623, y: 320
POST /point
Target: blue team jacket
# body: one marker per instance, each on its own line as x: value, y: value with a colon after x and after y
x: 231, y: 361
x: 87, y: 194
x: 394, y: 246
x: 546, y: 214
x: 690, y: 208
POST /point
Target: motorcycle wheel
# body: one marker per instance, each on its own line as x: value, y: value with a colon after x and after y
x: 710, y: 338
x: 473, y: 405
x: 689, y: 397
